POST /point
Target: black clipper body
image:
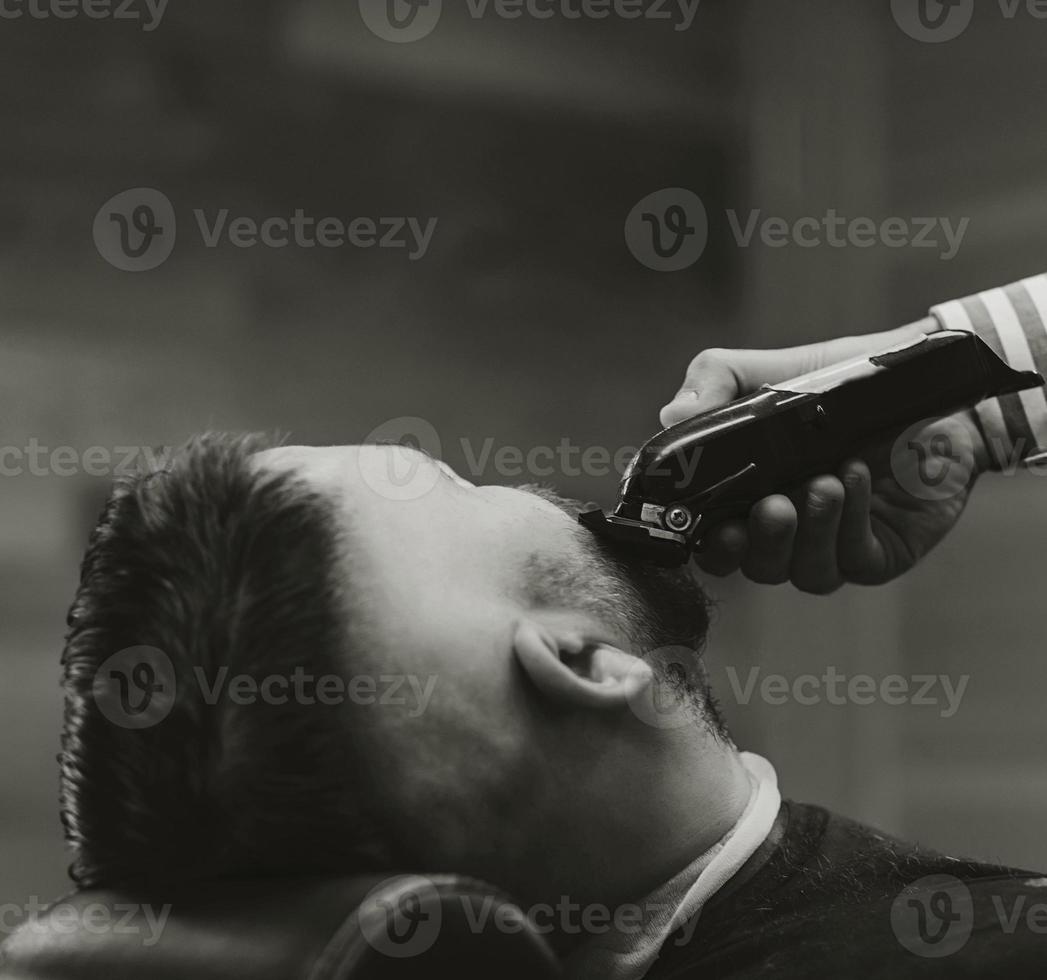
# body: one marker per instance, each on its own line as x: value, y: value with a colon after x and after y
x: 695, y: 474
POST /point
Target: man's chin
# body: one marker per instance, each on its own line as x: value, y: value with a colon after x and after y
x: 673, y: 607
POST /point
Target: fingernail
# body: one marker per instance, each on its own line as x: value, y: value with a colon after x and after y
x: 685, y: 397
x: 683, y: 402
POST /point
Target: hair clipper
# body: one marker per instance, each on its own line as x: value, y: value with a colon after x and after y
x: 699, y: 472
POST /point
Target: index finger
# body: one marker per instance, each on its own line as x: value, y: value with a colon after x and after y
x: 717, y: 376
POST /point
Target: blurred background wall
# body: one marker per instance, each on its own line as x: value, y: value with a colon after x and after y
x: 527, y: 321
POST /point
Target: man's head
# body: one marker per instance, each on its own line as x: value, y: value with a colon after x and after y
x: 485, y: 658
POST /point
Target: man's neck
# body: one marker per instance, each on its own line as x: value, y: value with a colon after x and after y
x: 693, y: 800
x: 658, y: 817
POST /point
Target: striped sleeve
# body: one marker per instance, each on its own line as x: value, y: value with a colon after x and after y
x: 1013, y: 322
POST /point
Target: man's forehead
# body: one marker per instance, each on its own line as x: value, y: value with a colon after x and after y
x: 389, y: 484
x: 329, y: 466
x: 297, y: 457
x: 557, y: 564
x: 339, y: 467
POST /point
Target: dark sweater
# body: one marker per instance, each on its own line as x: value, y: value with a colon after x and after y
x: 828, y: 897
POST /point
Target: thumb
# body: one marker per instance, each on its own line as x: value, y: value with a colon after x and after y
x: 711, y: 382
x: 717, y: 376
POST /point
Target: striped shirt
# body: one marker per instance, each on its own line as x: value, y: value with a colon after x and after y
x: 1013, y: 322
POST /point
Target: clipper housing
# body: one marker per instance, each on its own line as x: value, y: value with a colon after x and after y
x: 696, y: 474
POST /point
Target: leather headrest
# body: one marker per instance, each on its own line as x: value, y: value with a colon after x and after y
x: 283, y: 929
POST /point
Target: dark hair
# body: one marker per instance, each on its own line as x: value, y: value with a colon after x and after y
x: 217, y: 564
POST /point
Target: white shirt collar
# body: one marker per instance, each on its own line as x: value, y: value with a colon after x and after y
x: 632, y: 943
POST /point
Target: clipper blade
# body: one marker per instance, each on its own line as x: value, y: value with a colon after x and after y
x: 639, y: 541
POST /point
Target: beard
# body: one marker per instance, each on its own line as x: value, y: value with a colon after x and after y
x: 664, y: 612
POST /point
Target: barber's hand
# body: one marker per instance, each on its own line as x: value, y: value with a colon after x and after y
x: 867, y: 523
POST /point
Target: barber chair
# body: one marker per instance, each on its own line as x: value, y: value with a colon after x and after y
x: 283, y: 929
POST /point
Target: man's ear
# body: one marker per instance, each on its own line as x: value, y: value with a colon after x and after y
x: 568, y: 670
